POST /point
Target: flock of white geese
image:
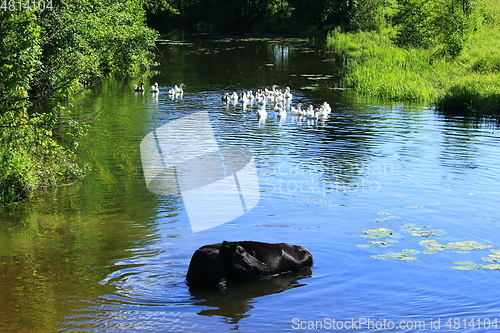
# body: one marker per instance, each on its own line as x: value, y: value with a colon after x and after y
x: 280, y: 100
x: 176, y: 92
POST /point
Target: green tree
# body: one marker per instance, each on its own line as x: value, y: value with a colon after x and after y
x: 446, y: 24
x: 49, y: 55
x: 367, y: 14
x: 19, y: 58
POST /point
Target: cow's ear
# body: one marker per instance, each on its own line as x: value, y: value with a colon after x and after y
x: 234, y: 248
x: 228, y: 248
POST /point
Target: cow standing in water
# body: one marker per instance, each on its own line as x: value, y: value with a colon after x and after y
x: 215, y: 265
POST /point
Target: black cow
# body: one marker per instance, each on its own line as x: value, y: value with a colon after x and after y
x: 214, y: 265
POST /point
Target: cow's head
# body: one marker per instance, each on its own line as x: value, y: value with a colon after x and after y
x: 241, y: 263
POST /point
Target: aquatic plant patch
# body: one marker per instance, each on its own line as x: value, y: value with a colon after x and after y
x: 494, y: 257
x: 386, y: 217
x: 433, y: 246
x: 465, y: 265
x: 406, y: 254
x: 385, y: 237
x: 377, y: 233
x: 422, y: 231
x: 380, y: 243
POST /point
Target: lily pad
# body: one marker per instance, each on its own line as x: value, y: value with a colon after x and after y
x: 386, y: 217
x: 318, y: 78
x: 466, y: 262
x: 379, y: 256
x: 433, y: 251
x: 492, y: 266
x: 467, y: 246
x: 386, y: 242
x: 433, y: 246
x: 403, y: 255
x: 377, y: 233
x: 422, y: 231
x: 408, y: 258
x: 493, y: 257
x: 466, y: 265
x: 464, y: 268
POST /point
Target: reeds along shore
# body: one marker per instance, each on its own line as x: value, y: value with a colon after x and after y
x: 467, y: 82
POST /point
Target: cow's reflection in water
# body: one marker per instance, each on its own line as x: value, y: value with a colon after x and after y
x: 233, y: 303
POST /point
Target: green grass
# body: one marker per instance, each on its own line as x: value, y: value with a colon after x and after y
x: 382, y: 70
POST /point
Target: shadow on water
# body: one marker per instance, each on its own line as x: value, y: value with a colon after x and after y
x: 234, y: 303
x: 470, y: 117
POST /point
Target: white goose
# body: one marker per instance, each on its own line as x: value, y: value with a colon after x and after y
x: 250, y: 95
x: 262, y: 113
x: 177, y: 90
x: 260, y: 98
x: 280, y: 111
x: 326, y: 107
x: 321, y: 115
x: 279, y: 98
x: 287, y: 94
x: 311, y: 113
x: 271, y: 94
x: 173, y: 90
x: 297, y: 111
x: 155, y: 88
x: 244, y: 98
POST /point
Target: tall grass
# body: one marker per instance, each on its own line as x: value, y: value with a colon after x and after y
x: 380, y: 69
x: 383, y: 70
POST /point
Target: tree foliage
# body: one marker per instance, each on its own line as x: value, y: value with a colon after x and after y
x: 430, y: 23
x: 295, y: 16
x: 48, y: 55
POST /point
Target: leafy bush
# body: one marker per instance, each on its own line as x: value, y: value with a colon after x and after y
x: 50, y: 55
x: 430, y: 23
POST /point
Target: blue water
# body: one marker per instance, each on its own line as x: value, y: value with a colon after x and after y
x: 370, y: 165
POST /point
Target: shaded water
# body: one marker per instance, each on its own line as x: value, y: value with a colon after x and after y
x: 106, y: 255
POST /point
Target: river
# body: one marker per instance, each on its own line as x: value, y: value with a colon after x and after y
x: 397, y: 203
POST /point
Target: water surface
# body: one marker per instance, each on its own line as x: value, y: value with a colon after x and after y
x: 106, y: 255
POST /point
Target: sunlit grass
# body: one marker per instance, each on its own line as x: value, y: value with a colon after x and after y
x: 470, y: 81
x: 380, y: 69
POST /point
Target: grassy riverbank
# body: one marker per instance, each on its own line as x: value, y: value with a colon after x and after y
x: 469, y: 81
